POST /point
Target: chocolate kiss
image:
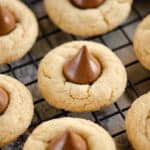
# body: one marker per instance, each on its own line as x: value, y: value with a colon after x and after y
x: 84, y: 4
x: 83, y: 68
x: 7, y: 21
x: 4, y: 100
x: 69, y: 140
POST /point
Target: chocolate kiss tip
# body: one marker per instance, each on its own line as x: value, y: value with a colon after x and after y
x: 4, y: 100
x: 83, y: 68
x: 7, y: 21
x: 84, y: 49
x: 69, y: 140
x: 85, y: 4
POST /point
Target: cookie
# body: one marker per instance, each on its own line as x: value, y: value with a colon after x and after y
x: 64, y: 94
x: 142, y: 42
x: 95, y: 137
x: 138, y: 123
x: 17, y: 39
x: 88, y: 22
x: 16, y: 109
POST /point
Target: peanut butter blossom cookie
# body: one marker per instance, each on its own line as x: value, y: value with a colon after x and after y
x: 69, y: 134
x: 16, y: 109
x: 138, y: 123
x: 142, y: 42
x: 81, y: 76
x: 18, y: 30
x: 88, y: 17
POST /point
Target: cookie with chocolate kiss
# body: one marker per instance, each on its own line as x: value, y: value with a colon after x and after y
x: 18, y: 30
x: 81, y: 76
x: 68, y: 133
x: 16, y: 109
x: 88, y: 18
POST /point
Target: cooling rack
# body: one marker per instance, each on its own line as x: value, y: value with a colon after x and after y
x: 119, y: 40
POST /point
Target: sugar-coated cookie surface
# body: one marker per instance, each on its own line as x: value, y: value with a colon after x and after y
x: 88, y: 22
x: 66, y: 95
x: 142, y: 42
x: 97, y: 138
x: 17, y: 117
x: 138, y: 123
x: 18, y: 42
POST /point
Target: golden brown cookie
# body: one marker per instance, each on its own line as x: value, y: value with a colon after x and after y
x: 138, y: 123
x: 17, y: 40
x: 16, y: 109
x: 102, y: 17
x: 62, y: 93
x: 50, y: 133
x: 142, y: 42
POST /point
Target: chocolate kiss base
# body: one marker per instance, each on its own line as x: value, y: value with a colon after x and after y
x: 4, y: 101
x: 69, y: 140
x: 7, y: 21
x: 85, y: 4
x: 83, y: 68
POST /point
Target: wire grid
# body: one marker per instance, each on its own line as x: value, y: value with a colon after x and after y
x: 119, y: 40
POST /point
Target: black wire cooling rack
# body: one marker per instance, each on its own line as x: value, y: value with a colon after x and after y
x: 119, y: 40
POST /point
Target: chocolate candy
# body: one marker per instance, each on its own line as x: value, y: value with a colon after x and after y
x: 83, y: 68
x: 69, y: 140
x: 7, y: 21
x: 84, y: 4
x: 4, y: 100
